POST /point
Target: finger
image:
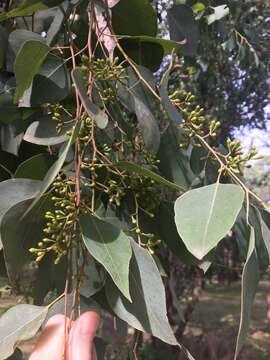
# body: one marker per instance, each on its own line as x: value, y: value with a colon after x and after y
x: 51, y: 342
x: 81, y: 337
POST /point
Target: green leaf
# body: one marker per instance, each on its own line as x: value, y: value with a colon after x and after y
x: 43, y: 132
x: 19, y: 233
x: 133, y: 86
x: 147, y: 173
x: 93, y: 280
x: 15, y: 190
x: 147, y: 51
x: 110, y: 247
x: 27, y: 63
x: 56, y: 167
x: 167, y: 45
x: 137, y: 98
x: 211, y: 171
x: 198, y: 159
x: 171, y: 110
x: 9, y: 112
x: 183, y: 26
x: 250, y: 280
x: 11, y: 137
x: 16, y: 40
x: 19, y: 323
x: 242, y: 233
x: 148, y: 125
x: 28, y: 7
x: 55, y: 28
x: 35, y: 168
x: 205, y: 215
x: 198, y: 7
x: 93, y: 110
x: 52, y: 82
x: 3, y: 45
x: 262, y: 237
x: 143, y: 53
x: 174, y: 164
x: 170, y: 236
x: 265, y: 228
x: 142, y: 22
x: 147, y: 311
x: 219, y: 12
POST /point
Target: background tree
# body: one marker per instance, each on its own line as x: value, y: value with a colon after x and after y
x: 227, y: 66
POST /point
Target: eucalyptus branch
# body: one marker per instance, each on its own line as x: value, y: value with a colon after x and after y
x: 201, y: 138
x: 233, y: 176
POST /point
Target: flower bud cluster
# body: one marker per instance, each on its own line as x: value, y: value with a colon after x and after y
x: 236, y: 159
x: 61, y: 222
x: 195, y: 122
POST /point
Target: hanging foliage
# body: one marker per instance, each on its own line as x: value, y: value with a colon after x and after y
x: 102, y: 169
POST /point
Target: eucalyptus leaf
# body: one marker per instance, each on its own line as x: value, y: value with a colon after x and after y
x: 250, y: 280
x: 147, y: 51
x: 9, y: 112
x: 134, y: 87
x: 205, y: 215
x: 19, y: 233
x: 242, y: 234
x: 28, y: 7
x: 93, y: 110
x: 19, y: 323
x: 147, y: 173
x: 142, y: 22
x: 27, y: 63
x: 174, y: 164
x: 3, y: 45
x: 10, y: 138
x: 167, y: 45
x: 94, y: 279
x: 136, y: 96
x: 16, y: 40
x: 15, y: 190
x: 35, y: 168
x: 262, y: 237
x: 110, y: 247
x: 198, y: 159
x: 56, y: 167
x: 148, y: 125
x: 147, y: 311
x: 52, y: 82
x: 170, y: 236
x: 183, y: 26
x: 43, y: 132
x: 265, y: 228
x: 57, y: 23
x: 171, y: 110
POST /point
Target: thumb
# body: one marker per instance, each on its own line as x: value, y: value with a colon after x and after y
x: 81, y: 346
x: 51, y: 342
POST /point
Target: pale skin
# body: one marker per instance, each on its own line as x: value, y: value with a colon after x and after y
x: 80, y: 344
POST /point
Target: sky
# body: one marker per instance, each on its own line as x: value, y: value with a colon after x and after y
x: 257, y: 137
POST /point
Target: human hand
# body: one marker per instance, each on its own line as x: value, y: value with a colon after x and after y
x: 79, y: 346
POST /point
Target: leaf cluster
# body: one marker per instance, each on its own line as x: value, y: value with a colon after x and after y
x: 97, y: 177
